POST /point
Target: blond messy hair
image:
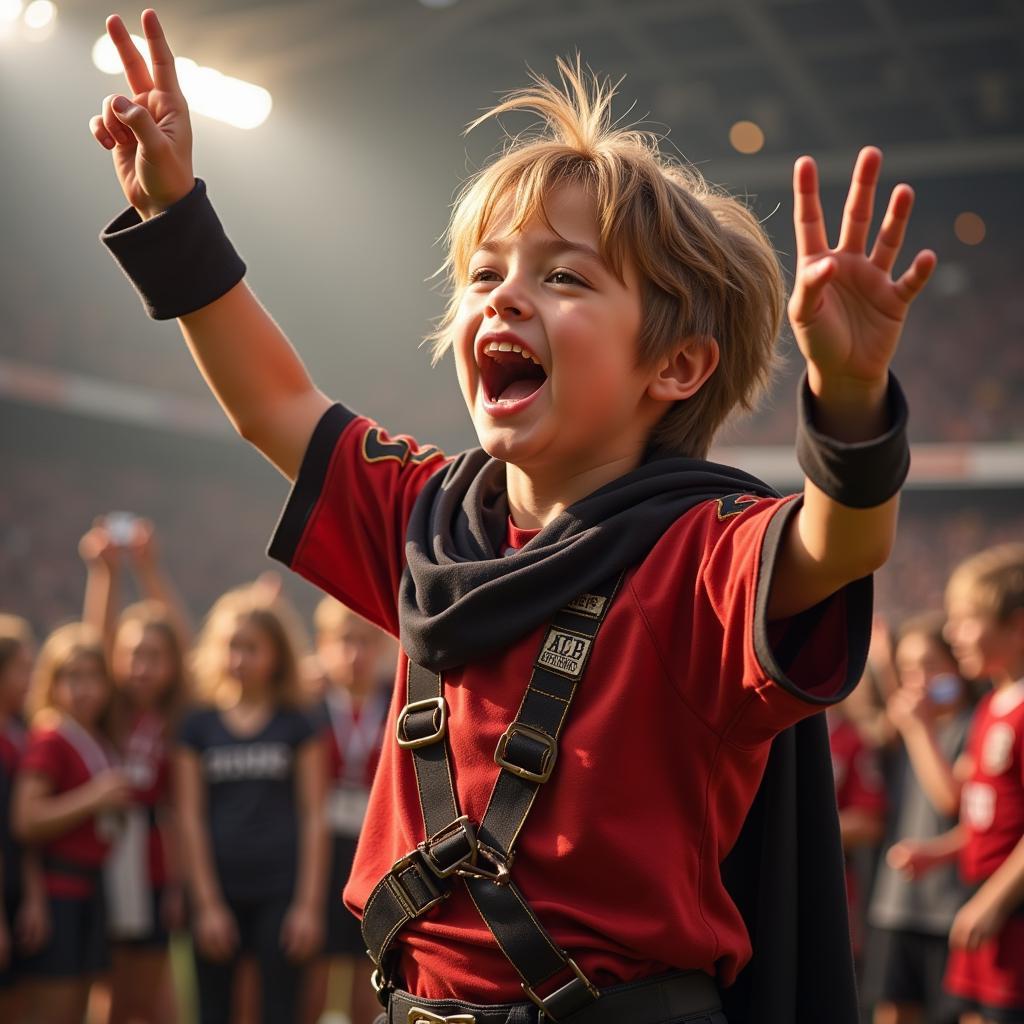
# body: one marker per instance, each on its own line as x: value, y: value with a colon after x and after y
x: 275, y: 619
x: 992, y: 581
x: 707, y: 268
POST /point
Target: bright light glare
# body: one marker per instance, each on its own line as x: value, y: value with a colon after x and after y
x: 39, y: 14
x: 208, y: 91
x: 10, y: 11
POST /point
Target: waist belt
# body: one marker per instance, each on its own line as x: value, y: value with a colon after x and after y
x: 481, y: 854
x: 667, y: 998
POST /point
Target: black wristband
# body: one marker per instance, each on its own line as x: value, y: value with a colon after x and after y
x: 178, y: 261
x: 861, y: 474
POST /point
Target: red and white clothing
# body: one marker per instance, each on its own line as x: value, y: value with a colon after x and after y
x: 681, y: 699
x: 992, y: 811
x: 355, y: 735
x: 68, y: 756
x: 147, y: 766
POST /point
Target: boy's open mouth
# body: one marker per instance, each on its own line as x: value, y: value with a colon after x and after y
x: 510, y: 372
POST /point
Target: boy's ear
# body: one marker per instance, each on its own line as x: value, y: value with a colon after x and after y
x: 683, y: 373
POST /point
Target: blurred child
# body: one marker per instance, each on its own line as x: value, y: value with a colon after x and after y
x: 860, y: 799
x: 908, y: 948
x: 250, y: 777
x: 23, y: 909
x: 68, y: 803
x: 352, y: 653
x: 985, y: 608
x: 144, y: 899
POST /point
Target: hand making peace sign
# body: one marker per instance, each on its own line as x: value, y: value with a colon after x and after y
x: 846, y: 310
x: 150, y: 136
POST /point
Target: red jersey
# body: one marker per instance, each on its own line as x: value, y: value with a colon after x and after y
x: 858, y: 778
x: 52, y: 753
x: 660, y: 759
x: 992, y: 801
x: 148, y: 769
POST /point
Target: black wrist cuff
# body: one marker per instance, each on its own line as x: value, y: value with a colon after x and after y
x: 178, y: 261
x: 862, y: 474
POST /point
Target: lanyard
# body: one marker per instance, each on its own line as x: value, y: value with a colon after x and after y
x: 357, y: 736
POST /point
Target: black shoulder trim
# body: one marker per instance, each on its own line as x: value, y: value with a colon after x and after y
x: 777, y: 660
x: 308, y: 484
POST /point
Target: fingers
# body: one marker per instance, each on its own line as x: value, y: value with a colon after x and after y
x: 909, y: 286
x: 137, y: 122
x: 807, y: 291
x: 860, y: 201
x: 164, y: 74
x: 135, y: 70
x: 894, y: 227
x: 808, y: 220
x: 114, y: 128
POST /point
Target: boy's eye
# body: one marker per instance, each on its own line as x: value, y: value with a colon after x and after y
x: 567, y: 278
x: 481, y: 275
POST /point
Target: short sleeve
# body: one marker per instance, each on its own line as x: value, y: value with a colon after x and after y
x: 44, y: 756
x: 784, y: 670
x: 192, y: 732
x: 343, y: 526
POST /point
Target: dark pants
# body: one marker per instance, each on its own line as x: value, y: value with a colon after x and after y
x: 259, y: 929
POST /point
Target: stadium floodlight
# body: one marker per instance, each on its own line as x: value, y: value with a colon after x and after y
x: 10, y: 11
x: 209, y: 92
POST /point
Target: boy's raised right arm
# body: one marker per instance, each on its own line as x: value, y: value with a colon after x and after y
x: 246, y: 359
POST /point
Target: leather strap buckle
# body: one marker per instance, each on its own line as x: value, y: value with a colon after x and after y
x: 542, y: 761
x: 447, y: 841
x: 572, y: 997
x: 421, y: 1016
x: 438, y: 723
x: 410, y: 903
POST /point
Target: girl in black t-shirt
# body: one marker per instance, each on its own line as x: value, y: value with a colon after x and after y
x: 250, y: 784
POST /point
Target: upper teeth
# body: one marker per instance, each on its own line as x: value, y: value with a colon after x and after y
x: 507, y: 346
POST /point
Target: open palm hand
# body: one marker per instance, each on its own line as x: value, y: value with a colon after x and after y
x: 846, y: 310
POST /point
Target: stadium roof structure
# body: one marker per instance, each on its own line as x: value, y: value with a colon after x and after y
x: 938, y: 83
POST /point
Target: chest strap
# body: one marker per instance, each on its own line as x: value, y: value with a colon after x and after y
x: 482, y: 854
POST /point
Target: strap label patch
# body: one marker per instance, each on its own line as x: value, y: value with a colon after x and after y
x: 565, y: 652
x: 590, y: 605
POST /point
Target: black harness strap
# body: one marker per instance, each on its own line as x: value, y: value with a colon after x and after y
x: 526, y: 754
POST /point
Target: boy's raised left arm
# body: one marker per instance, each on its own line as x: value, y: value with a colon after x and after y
x: 847, y: 315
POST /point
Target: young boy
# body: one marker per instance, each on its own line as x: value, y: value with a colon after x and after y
x: 985, y: 602
x: 608, y: 311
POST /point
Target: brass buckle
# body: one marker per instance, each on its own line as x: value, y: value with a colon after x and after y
x: 580, y: 977
x: 440, y: 708
x: 466, y: 826
x: 397, y: 889
x: 550, y: 755
x: 420, y: 1016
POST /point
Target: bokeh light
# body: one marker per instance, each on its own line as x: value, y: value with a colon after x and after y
x: 969, y: 228
x: 746, y: 137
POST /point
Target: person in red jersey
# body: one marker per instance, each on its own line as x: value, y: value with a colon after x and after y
x: 860, y: 798
x: 985, y: 605
x: 593, y: 807
x: 68, y: 802
x: 24, y: 916
x: 351, y: 654
x: 146, y: 643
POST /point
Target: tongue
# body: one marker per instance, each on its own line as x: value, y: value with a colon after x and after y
x: 518, y: 390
